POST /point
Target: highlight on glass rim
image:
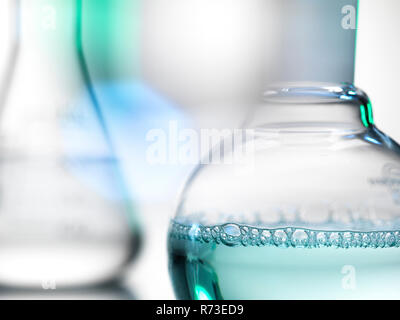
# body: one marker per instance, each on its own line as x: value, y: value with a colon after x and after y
x: 199, y: 150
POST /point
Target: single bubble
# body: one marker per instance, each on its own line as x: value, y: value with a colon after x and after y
x: 263, y: 240
x: 267, y: 235
x: 206, y: 235
x: 366, y: 239
x: 347, y: 237
x: 373, y: 239
x: 321, y: 238
x: 215, y: 233
x: 334, y: 239
x: 289, y: 231
x: 280, y: 237
x: 245, y: 241
x: 194, y: 231
x: 357, y: 240
x: 381, y: 240
x: 232, y: 230
x: 397, y: 239
x: 300, y: 238
x: 312, y: 239
x: 390, y: 239
x: 231, y: 234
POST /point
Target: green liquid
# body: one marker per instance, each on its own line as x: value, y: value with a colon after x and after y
x: 236, y: 263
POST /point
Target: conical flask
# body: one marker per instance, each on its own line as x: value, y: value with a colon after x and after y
x: 304, y: 203
x: 65, y: 216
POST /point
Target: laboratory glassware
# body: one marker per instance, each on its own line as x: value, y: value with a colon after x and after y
x: 304, y: 202
x: 66, y: 218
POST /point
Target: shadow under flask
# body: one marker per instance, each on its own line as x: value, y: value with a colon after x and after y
x: 305, y: 202
x: 65, y: 216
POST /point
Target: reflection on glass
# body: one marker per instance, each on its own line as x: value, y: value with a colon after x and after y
x: 65, y: 215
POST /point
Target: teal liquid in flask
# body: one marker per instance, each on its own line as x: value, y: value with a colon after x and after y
x: 305, y: 202
x: 66, y: 218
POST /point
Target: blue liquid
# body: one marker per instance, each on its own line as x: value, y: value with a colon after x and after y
x: 240, y: 262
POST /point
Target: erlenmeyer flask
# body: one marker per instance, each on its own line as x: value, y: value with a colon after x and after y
x: 311, y: 209
x: 65, y: 216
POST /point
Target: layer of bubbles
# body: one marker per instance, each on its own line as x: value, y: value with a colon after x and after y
x: 232, y: 234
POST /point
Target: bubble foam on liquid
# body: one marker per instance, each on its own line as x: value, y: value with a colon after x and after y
x: 232, y: 234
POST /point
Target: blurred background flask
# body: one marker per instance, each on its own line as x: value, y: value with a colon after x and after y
x: 65, y: 216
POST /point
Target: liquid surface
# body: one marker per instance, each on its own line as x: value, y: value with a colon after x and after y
x: 236, y: 262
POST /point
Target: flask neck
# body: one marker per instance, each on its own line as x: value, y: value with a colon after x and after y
x: 317, y: 41
x: 49, y: 93
x: 313, y: 108
x: 48, y: 56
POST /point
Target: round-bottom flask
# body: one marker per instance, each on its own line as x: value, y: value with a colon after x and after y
x: 310, y: 209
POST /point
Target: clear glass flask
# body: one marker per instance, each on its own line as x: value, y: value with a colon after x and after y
x: 65, y: 216
x: 311, y: 209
